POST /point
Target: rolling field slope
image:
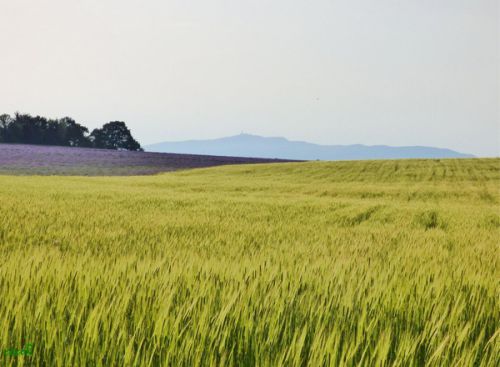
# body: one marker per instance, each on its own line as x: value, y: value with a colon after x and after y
x: 371, y: 263
x: 22, y: 159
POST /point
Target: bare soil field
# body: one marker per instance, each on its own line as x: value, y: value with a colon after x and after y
x: 53, y: 160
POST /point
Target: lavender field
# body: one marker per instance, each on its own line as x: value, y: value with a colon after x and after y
x: 50, y: 160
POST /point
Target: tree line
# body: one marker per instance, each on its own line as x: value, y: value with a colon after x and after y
x: 27, y: 129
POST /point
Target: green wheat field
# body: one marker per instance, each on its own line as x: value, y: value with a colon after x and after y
x: 370, y: 263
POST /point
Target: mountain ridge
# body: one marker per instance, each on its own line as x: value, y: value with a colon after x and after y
x: 249, y: 145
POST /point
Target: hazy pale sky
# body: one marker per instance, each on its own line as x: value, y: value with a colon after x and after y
x: 395, y: 72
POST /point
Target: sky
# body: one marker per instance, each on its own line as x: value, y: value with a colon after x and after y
x: 393, y: 72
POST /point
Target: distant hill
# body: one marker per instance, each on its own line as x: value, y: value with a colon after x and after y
x: 246, y: 145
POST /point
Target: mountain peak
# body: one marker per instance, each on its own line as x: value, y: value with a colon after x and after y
x: 244, y: 136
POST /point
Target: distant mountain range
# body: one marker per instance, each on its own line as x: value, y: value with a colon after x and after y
x: 246, y: 145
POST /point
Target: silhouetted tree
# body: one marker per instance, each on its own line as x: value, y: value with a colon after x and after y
x: 73, y: 134
x: 27, y: 129
x: 114, y: 135
x: 5, y: 121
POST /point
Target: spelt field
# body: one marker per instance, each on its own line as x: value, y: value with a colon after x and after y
x: 374, y: 263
